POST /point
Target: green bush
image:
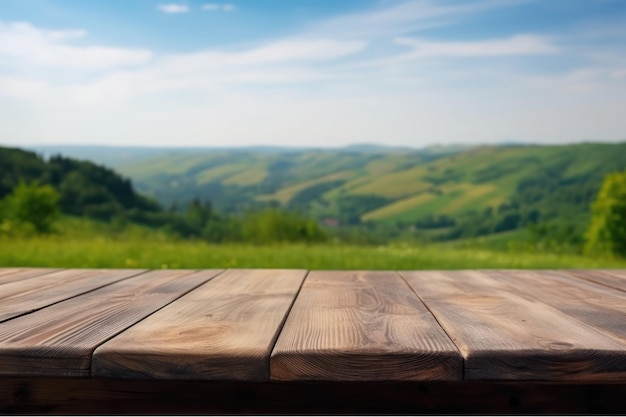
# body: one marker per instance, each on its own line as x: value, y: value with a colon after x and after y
x: 607, y: 231
x: 35, y: 205
x: 279, y: 226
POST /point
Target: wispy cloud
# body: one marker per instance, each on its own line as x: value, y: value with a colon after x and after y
x: 516, y: 45
x: 23, y: 43
x: 214, y: 7
x: 173, y: 8
x: 285, y: 62
x: 405, y: 17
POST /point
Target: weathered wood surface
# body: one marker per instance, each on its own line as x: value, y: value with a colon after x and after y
x: 28, y: 295
x: 18, y: 274
x: 507, y: 336
x: 244, y: 325
x: 224, y: 330
x: 602, y: 307
x: 362, y: 326
x: 611, y: 278
x: 59, y: 340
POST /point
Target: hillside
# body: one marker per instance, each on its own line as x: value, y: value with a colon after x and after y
x: 468, y: 192
x: 93, y: 192
x: 438, y: 192
x: 85, y: 189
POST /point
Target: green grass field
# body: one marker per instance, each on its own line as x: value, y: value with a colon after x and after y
x: 80, y: 243
x: 161, y: 252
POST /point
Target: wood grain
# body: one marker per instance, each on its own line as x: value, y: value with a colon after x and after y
x: 362, y: 326
x: 507, y: 336
x: 8, y: 275
x: 28, y: 295
x: 609, y: 277
x: 59, y: 340
x: 223, y: 330
x: 601, y: 307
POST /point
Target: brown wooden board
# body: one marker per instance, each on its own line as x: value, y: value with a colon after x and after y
x: 24, y: 296
x: 509, y: 336
x: 601, y: 307
x: 8, y: 275
x: 362, y: 326
x: 223, y: 330
x: 59, y: 340
x: 611, y: 278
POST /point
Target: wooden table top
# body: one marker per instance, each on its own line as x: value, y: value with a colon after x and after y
x: 295, y: 325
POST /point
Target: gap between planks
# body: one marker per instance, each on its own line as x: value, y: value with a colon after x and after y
x: 507, y: 336
x: 223, y: 330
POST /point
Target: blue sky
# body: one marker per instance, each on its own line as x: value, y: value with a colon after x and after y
x: 311, y: 72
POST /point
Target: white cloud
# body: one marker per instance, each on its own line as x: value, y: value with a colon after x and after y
x: 275, y: 55
x: 173, y: 8
x: 405, y: 17
x: 23, y: 43
x: 23, y: 89
x: 579, y: 81
x: 277, y: 63
x: 516, y: 45
x: 298, y: 50
x: 214, y: 7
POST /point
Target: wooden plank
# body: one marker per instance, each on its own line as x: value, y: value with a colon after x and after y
x: 8, y: 275
x: 601, y: 307
x: 611, y: 278
x: 223, y: 330
x: 59, y: 340
x: 25, y: 296
x: 507, y: 336
x: 362, y: 326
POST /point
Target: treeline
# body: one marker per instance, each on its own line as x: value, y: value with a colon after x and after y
x: 84, y: 189
x: 261, y: 226
x: 34, y: 192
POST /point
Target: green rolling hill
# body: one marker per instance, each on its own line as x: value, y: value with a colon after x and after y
x: 446, y: 192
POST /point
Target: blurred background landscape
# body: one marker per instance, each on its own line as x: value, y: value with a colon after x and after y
x: 379, y: 134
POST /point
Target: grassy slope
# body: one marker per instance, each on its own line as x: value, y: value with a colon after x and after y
x: 84, y: 244
x: 470, y: 180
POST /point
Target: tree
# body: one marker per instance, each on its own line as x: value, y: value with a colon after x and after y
x: 607, y: 230
x: 34, y: 204
x: 198, y: 215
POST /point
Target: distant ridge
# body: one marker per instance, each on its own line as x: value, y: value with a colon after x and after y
x: 116, y: 156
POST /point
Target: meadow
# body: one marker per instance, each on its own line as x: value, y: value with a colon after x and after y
x: 84, y: 244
